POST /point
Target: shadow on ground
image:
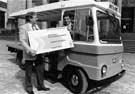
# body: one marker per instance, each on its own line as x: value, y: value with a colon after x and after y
x: 13, y: 60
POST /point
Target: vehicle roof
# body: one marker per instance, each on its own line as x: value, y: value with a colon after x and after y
x: 54, y: 9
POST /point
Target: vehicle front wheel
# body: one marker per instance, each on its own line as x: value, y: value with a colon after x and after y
x: 77, y: 81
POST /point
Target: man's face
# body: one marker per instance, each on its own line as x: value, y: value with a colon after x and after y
x: 67, y: 20
x: 34, y: 19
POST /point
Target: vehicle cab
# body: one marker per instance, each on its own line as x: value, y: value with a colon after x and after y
x: 97, y: 54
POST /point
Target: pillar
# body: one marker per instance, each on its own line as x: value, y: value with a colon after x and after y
x: 119, y: 2
x: 44, y: 23
x: 6, y: 18
x: 28, y: 3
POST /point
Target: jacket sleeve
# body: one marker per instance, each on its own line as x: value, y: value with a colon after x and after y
x: 23, y: 39
x: 22, y: 34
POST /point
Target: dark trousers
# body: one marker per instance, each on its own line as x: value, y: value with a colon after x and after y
x: 39, y: 71
x: 53, y: 57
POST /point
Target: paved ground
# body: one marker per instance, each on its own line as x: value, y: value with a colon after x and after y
x: 12, y: 77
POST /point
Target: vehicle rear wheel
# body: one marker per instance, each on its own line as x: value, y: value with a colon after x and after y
x: 19, y: 60
x: 77, y: 81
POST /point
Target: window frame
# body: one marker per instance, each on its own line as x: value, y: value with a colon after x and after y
x: 102, y: 42
x: 75, y: 9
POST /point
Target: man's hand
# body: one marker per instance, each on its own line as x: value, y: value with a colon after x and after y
x: 32, y: 52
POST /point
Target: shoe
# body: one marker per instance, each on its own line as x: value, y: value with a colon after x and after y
x: 43, y: 88
x: 30, y: 92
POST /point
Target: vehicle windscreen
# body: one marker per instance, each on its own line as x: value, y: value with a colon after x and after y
x: 108, y: 27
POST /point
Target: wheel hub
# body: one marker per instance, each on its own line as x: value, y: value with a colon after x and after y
x: 75, y: 80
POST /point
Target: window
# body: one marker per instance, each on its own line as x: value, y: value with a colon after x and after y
x: 83, y: 30
x: 79, y: 24
x: 2, y: 19
x: 68, y: 17
x: 108, y: 27
x: 127, y: 19
x: 68, y: 20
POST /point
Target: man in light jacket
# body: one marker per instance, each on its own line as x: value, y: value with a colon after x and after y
x: 30, y: 56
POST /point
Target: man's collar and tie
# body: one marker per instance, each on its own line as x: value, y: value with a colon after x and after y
x: 35, y: 27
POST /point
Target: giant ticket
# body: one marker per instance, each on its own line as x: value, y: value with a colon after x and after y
x: 48, y: 40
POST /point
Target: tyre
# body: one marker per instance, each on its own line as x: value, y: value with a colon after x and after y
x: 77, y: 81
x: 19, y: 60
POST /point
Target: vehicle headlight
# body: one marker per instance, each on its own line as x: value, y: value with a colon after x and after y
x: 103, y: 70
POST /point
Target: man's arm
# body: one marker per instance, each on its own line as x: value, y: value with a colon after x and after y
x: 23, y: 38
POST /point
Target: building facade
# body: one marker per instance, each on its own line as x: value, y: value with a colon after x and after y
x: 128, y: 25
x: 3, y: 9
x: 17, y: 5
x: 128, y: 16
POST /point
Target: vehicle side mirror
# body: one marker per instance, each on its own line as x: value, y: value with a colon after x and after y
x: 89, y: 21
